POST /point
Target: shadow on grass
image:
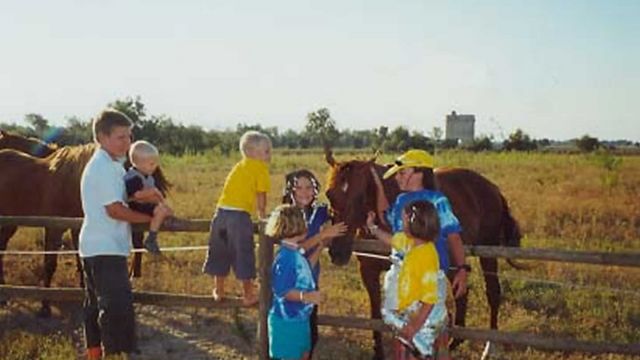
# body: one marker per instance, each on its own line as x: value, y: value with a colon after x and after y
x: 163, y: 333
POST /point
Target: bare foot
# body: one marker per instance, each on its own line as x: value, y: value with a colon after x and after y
x: 217, y: 295
x: 249, y: 301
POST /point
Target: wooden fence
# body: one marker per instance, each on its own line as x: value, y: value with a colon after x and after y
x: 265, y: 259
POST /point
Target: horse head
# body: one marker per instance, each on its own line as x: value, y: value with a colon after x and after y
x: 29, y: 145
x: 352, y: 194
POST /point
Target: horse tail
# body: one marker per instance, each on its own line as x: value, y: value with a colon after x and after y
x: 511, y: 232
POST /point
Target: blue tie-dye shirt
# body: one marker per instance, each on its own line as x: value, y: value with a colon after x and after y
x: 290, y: 271
x: 448, y: 221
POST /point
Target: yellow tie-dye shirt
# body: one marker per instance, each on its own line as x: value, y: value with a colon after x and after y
x: 418, y: 279
x: 401, y: 242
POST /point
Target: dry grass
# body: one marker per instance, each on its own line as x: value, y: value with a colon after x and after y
x: 576, y: 202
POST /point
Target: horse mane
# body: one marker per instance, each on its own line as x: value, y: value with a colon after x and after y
x: 332, y: 175
x: 71, y: 160
x: 336, y: 170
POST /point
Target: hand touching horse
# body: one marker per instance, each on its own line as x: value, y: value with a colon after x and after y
x: 481, y: 208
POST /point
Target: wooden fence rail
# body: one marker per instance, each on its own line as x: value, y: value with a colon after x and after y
x: 203, y: 301
x: 630, y: 259
x: 265, y: 260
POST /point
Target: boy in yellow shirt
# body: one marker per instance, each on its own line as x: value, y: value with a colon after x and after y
x: 231, y: 236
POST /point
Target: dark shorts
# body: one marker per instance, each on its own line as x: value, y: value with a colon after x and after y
x: 231, y: 245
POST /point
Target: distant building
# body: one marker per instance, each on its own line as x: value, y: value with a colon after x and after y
x: 460, y: 127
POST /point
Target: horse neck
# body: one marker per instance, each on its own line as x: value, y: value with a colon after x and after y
x: 391, y: 189
x: 70, y: 160
x: 31, y: 146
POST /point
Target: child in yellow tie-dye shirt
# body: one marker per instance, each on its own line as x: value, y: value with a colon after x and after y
x: 417, y: 310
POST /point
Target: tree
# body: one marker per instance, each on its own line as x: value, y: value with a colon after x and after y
x: 519, y: 141
x: 399, y: 140
x: 482, y: 143
x: 380, y: 136
x: 76, y: 132
x: 587, y: 143
x: 321, y: 124
x: 132, y: 107
x: 39, y: 123
x: 436, y: 134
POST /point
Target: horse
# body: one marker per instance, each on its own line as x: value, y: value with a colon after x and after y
x: 478, y: 203
x: 43, y: 179
x: 30, y: 145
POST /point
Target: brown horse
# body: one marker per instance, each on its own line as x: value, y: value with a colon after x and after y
x: 47, y: 183
x: 29, y: 145
x: 480, y: 207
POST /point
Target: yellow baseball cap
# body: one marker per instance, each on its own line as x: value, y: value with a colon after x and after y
x: 412, y: 158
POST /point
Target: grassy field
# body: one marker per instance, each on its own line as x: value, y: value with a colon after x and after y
x: 574, y: 202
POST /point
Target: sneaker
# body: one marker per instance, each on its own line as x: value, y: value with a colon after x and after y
x: 151, y: 244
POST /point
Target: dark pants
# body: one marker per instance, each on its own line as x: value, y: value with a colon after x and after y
x: 137, y: 239
x: 108, y: 305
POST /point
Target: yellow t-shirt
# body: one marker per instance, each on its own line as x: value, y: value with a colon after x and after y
x: 418, y: 279
x: 247, y: 178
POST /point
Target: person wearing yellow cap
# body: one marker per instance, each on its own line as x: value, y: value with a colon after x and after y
x: 413, y: 171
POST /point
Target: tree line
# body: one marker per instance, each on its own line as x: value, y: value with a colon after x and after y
x: 178, y: 139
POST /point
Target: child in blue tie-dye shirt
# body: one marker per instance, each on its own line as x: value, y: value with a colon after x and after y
x: 294, y: 287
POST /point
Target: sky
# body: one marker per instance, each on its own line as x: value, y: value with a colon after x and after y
x: 555, y: 69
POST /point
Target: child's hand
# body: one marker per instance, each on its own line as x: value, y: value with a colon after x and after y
x: 149, y: 195
x: 313, y: 297
x: 329, y: 232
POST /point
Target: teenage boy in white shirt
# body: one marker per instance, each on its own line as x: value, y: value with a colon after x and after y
x: 105, y: 239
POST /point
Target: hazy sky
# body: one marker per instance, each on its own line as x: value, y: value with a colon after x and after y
x: 556, y: 69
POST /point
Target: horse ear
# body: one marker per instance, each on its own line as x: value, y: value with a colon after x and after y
x: 375, y: 156
x: 328, y: 155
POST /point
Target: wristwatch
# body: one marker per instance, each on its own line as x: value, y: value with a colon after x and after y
x: 465, y: 267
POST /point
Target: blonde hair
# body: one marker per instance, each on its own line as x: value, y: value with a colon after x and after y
x: 140, y: 150
x: 285, y: 221
x: 251, y: 140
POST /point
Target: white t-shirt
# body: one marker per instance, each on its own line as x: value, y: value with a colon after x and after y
x: 102, y: 184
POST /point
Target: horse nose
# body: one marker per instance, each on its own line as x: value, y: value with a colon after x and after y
x: 339, y: 253
x: 340, y: 261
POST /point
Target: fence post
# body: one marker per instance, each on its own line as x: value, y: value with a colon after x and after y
x: 265, y: 259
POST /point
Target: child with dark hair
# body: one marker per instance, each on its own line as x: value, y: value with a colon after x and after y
x: 302, y: 189
x: 416, y: 289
